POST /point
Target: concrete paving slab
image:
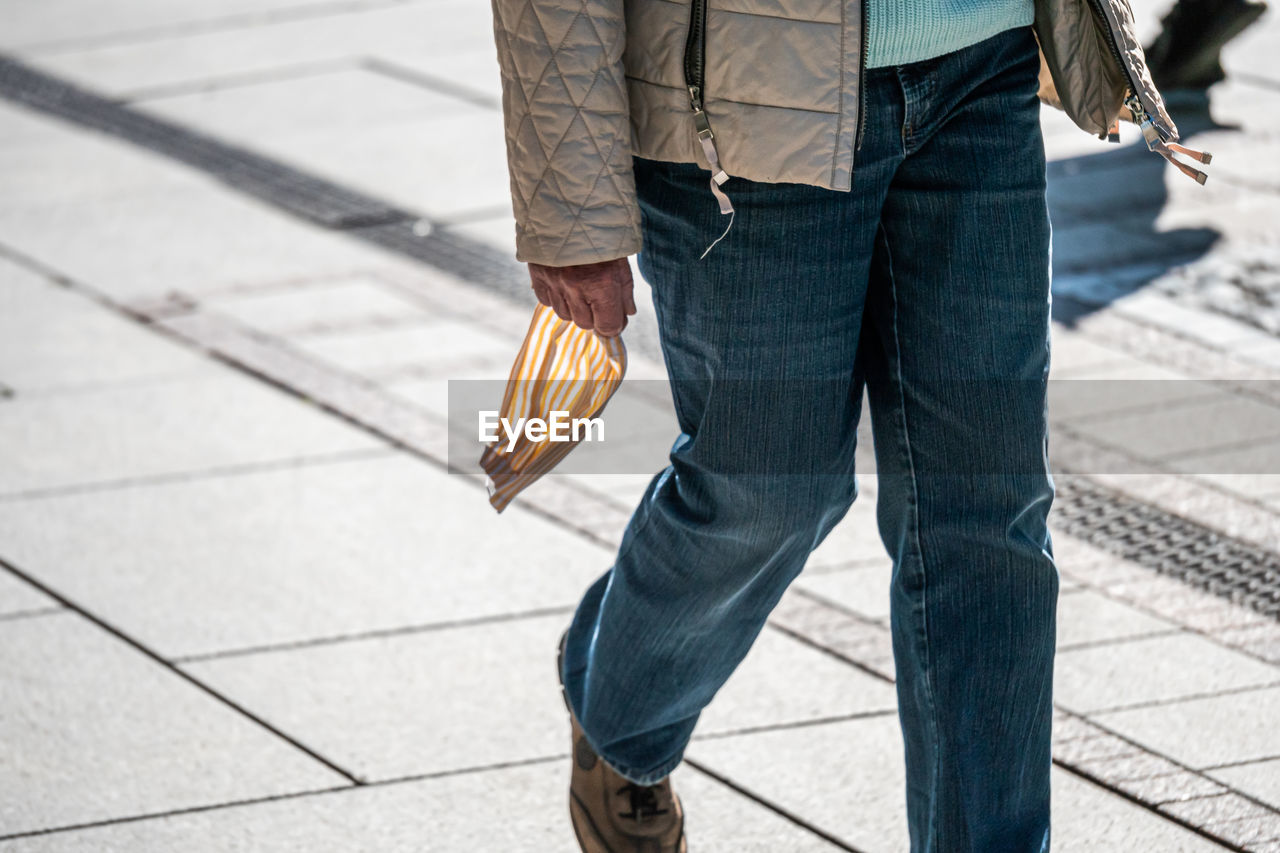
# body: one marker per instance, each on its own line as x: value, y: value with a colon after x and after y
x: 96, y: 731
x: 450, y: 813
x: 1211, y: 329
x: 1252, y: 471
x: 146, y: 244
x: 860, y: 798
x: 1072, y: 554
x: 18, y: 596
x: 438, y: 28
x: 1260, y: 779
x: 862, y: 589
x: 1158, y: 669
x: 1119, y: 387
x: 204, y: 421
x: 52, y: 339
x: 626, y: 489
x: 431, y: 394
x: 59, y: 21
x: 383, y: 158
x: 499, y: 232
x: 317, y: 308
x: 1224, y: 421
x: 473, y: 66
x: 293, y: 554
x: 467, y: 697
x: 1192, y: 731
x: 856, y: 538
x: 437, y: 346
x: 44, y: 160
x: 783, y: 681
x: 1087, y: 617
x: 418, y: 703
x: 351, y: 99
x: 1072, y: 352
x: 1088, y: 818
x: 846, y: 778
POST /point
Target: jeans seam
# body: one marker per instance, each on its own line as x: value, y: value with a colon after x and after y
x: 915, y: 525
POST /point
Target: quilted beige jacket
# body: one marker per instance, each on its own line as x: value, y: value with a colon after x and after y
x: 589, y: 83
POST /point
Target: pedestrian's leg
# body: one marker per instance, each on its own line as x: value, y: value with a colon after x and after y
x: 955, y: 350
x: 760, y: 339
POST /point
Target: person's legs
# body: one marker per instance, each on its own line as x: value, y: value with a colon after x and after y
x: 955, y: 353
x: 760, y: 340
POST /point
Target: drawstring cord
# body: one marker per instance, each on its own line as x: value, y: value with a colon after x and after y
x: 718, y: 174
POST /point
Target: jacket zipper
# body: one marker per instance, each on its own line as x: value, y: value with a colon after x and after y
x: 1156, y: 138
x: 695, y: 55
x: 862, y: 78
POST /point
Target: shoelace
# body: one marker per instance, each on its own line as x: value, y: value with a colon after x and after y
x: 643, y: 801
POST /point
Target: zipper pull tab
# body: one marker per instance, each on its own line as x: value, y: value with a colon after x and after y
x: 718, y: 175
x: 1157, y: 143
x: 1113, y: 132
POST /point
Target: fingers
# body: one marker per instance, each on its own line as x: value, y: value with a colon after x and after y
x: 609, y: 319
x: 541, y: 291
x: 597, y: 296
x: 547, y: 290
x: 579, y: 309
x: 628, y: 296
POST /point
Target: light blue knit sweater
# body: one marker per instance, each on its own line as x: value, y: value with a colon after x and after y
x: 902, y: 31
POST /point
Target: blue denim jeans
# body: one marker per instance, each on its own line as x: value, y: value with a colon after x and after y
x: 927, y: 285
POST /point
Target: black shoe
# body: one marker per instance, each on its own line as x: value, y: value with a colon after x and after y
x: 1187, y: 53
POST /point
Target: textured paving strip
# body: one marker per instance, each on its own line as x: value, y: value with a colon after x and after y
x: 314, y: 199
x: 1168, y: 788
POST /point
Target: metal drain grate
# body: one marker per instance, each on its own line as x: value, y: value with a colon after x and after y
x: 1230, y: 568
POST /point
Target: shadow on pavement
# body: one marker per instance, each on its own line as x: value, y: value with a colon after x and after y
x: 1105, y: 207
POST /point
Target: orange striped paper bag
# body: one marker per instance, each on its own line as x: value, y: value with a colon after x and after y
x: 561, y: 367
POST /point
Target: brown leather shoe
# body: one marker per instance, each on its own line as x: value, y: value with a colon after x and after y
x: 613, y: 815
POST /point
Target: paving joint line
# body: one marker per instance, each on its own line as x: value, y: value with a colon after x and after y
x: 1085, y: 645
x: 1112, y: 733
x: 236, y: 80
x: 157, y: 658
x: 196, y: 475
x: 1139, y: 604
x: 819, y: 646
x: 1243, y: 763
x: 1190, y: 697
x: 32, y: 613
x: 422, y: 80
x: 777, y: 809
x: 1149, y: 807
x: 792, y: 725
x: 225, y: 23
x: 297, y: 795
x: 139, y: 818
x: 374, y: 634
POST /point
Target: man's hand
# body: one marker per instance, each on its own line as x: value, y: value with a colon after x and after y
x: 595, y: 296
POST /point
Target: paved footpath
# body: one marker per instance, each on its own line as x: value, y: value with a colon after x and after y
x: 244, y: 606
